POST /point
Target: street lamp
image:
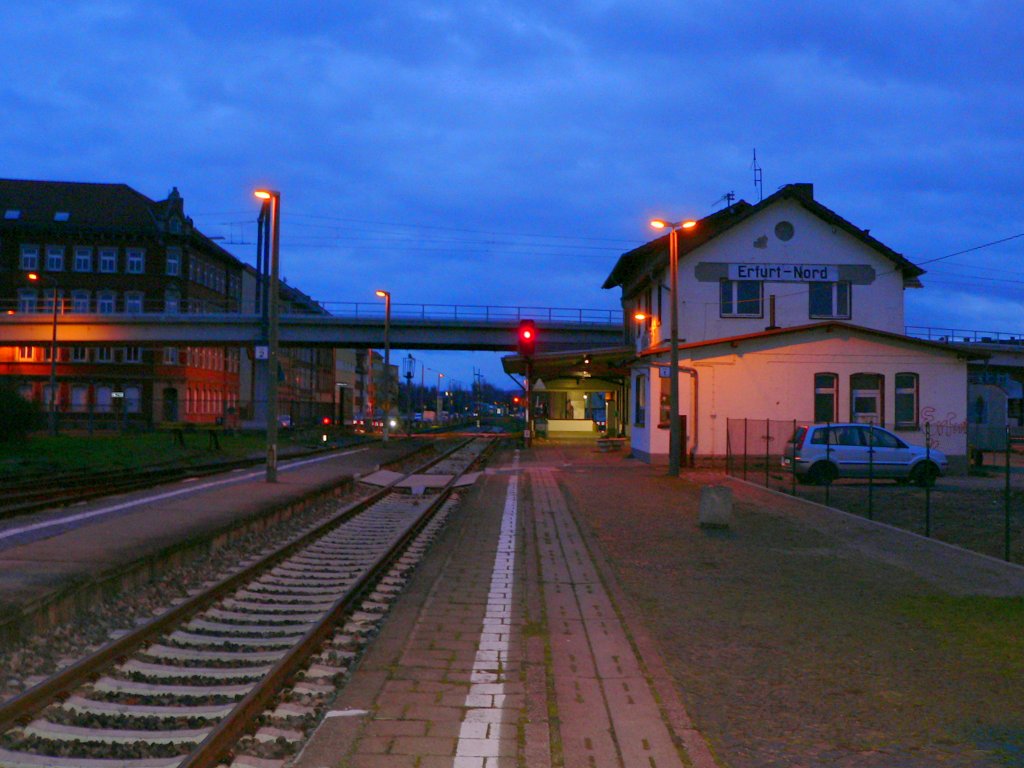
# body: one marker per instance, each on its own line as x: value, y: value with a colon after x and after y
x: 440, y: 398
x: 674, y: 434
x: 51, y: 416
x: 386, y: 295
x: 273, y: 199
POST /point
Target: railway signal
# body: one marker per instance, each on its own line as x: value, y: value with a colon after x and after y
x: 527, y: 338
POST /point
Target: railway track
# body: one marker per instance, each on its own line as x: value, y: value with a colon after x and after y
x: 186, y: 688
x: 24, y: 495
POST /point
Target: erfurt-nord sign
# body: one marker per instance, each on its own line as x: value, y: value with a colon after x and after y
x: 785, y: 273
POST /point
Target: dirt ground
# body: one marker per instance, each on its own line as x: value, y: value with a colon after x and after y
x: 791, y: 649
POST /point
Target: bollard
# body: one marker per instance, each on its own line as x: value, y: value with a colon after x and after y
x: 715, y: 506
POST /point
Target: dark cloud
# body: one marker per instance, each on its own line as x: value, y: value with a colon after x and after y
x: 436, y: 137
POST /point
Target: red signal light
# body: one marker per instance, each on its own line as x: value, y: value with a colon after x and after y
x: 326, y: 421
x: 527, y: 337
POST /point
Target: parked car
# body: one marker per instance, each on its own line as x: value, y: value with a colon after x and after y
x: 824, y: 452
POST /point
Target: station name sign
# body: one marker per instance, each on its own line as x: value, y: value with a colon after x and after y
x: 785, y: 273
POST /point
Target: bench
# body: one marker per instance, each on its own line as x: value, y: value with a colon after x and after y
x: 605, y: 444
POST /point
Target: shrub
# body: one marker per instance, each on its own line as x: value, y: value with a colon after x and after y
x: 18, y: 416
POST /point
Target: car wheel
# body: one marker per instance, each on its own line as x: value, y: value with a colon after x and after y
x: 924, y: 474
x: 822, y: 473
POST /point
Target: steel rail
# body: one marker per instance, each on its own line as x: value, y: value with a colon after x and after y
x: 236, y: 724
x: 21, y: 708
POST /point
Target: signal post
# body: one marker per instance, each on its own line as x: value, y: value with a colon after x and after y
x: 526, y: 340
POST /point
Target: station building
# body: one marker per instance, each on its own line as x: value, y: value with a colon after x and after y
x: 787, y: 311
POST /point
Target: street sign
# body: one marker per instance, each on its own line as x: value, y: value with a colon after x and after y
x: 262, y: 352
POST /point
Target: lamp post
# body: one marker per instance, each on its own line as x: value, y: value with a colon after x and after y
x: 674, y: 434
x: 272, y: 198
x: 51, y: 417
x: 440, y: 398
x: 386, y: 295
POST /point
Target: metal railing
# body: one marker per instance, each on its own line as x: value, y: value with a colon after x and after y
x: 961, y: 336
x: 353, y: 309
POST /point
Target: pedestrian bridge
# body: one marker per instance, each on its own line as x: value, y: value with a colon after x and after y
x: 354, y: 326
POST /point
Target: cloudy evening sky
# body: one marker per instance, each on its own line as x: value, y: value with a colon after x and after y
x: 507, y: 153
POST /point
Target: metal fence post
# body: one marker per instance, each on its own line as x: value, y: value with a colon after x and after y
x: 744, y: 447
x: 927, y: 485
x: 871, y: 471
x: 792, y: 461
x: 767, y: 446
x: 1006, y: 501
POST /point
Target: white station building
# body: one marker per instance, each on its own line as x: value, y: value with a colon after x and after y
x: 786, y: 312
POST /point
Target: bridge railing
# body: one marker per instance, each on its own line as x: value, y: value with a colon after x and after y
x: 479, y: 312
x: 355, y: 310
x: 959, y: 335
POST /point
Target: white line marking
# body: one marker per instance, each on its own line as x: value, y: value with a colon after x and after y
x: 12, y: 532
x: 479, y: 744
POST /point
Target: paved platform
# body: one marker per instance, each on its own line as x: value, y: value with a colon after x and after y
x: 507, y: 649
x: 46, y: 555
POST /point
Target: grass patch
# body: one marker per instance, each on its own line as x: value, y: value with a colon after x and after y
x: 984, y: 628
x: 72, y: 452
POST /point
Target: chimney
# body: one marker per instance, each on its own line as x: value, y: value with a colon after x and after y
x: 804, y: 190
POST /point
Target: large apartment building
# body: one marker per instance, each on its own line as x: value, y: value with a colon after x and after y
x: 106, y: 249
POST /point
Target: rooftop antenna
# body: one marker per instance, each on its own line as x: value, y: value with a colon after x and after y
x: 728, y: 197
x: 758, y: 178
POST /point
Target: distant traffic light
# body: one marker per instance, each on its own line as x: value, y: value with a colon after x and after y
x: 527, y: 338
x: 515, y: 399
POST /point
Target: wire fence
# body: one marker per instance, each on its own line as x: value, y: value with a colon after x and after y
x: 982, y: 511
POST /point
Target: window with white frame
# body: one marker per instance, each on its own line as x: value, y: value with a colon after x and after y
x: 133, y: 302
x: 30, y: 257
x: 866, y: 398
x: 27, y: 299
x: 826, y: 400
x: 83, y: 258
x: 79, y: 301
x: 829, y: 300
x: 79, y: 354
x: 907, y: 385
x: 26, y: 354
x: 132, y: 355
x: 171, y: 356
x: 55, y: 258
x: 135, y: 261
x: 108, y: 260
x: 104, y: 355
x: 106, y: 302
x: 174, y: 261
x: 49, y: 296
x: 741, y: 298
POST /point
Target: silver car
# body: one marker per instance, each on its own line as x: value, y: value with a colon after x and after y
x: 823, y: 452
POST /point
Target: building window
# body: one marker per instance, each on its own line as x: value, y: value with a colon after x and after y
x: 136, y: 261
x: 640, y: 402
x: 26, y: 300
x: 55, y: 258
x: 79, y: 398
x: 829, y: 300
x: 826, y: 390
x: 30, y: 257
x: 741, y: 298
x: 79, y: 301
x: 26, y: 354
x: 866, y: 405
x: 106, y: 302
x: 174, y: 261
x: 172, y: 301
x: 906, y: 400
x: 170, y: 356
x: 79, y: 354
x: 132, y: 400
x: 103, y: 398
x: 83, y: 259
x: 108, y: 260
x: 133, y: 302
x: 49, y: 296
x: 132, y: 355
x: 104, y: 355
